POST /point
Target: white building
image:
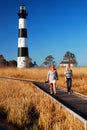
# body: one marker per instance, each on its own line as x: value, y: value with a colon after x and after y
x: 65, y: 63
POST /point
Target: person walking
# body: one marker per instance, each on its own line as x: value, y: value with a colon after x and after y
x: 52, y: 78
x: 68, y: 78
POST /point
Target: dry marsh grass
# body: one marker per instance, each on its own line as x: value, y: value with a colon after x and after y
x: 28, y: 108
x: 39, y: 74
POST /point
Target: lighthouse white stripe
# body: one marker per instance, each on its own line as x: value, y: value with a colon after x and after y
x: 22, y: 23
x: 23, y: 62
x: 22, y: 42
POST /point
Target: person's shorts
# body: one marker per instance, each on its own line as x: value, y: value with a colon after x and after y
x: 53, y: 81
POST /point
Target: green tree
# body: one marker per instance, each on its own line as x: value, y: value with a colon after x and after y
x: 12, y: 63
x: 70, y: 57
x: 49, y: 60
x: 30, y: 62
x: 3, y: 62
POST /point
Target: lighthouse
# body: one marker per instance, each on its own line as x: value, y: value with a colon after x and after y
x: 23, y: 59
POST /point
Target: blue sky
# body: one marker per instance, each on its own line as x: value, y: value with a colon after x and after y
x: 54, y: 27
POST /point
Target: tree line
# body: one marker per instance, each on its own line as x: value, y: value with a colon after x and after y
x: 5, y: 63
x: 68, y: 57
x: 49, y: 60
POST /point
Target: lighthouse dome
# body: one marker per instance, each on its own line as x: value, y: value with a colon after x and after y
x: 22, y: 7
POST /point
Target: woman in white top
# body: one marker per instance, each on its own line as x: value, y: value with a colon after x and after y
x: 52, y: 77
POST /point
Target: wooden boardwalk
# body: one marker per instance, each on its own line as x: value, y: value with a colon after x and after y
x: 75, y: 102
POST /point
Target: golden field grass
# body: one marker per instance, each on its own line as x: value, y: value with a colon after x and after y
x: 25, y: 106
x: 30, y: 109
x: 39, y: 74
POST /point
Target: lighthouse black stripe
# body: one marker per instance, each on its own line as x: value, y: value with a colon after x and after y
x: 22, y: 51
x: 22, y: 32
x: 22, y: 14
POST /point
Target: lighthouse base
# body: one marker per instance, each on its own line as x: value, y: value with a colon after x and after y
x: 23, y: 62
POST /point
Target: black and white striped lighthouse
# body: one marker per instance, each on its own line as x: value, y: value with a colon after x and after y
x: 23, y: 59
